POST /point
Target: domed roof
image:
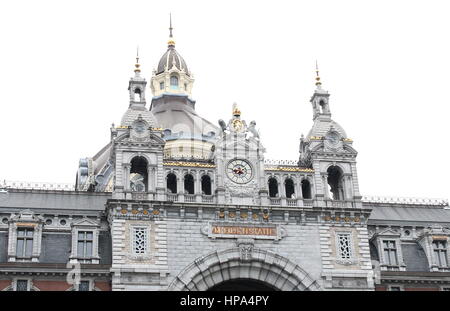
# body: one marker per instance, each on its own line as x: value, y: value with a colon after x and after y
x: 322, y: 126
x: 132, y: 114
x: 170, y: 59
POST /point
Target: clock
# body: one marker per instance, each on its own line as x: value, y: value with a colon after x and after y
x: 333, y: 138
x: 139, y: 126
x: 239, y: 171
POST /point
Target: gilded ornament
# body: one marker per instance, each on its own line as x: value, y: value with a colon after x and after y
x: 231, y: 215
x: 155, y: 212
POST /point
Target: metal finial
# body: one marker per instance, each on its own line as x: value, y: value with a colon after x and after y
x: 137, y: 65
x: 171, y: 42
x: 137, y: 55
x: 170, y: 28
x: 318, y: 83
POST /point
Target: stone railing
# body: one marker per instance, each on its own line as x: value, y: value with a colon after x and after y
x: 405, y: 201
x: 275, y: 201
x: 281, y: 162
x: 189, y: 198
x: 172, y: 197
x: 207, y: 199
x: 5, y: 184
x: 307, y: 202
x: 291, y: 202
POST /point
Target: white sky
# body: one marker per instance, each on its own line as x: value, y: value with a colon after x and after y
x: 65, y: 66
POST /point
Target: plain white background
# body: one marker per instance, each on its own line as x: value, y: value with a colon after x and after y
x: 65, y: 66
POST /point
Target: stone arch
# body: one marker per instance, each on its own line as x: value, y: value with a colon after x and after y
x: 224, y: 265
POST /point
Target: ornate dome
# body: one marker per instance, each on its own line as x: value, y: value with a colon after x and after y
x: 170, y: 59
x: 132, y: 114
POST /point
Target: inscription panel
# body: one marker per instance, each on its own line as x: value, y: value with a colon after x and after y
x: 232, y: 230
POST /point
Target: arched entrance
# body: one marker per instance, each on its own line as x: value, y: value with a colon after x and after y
x: 242, y: 285
x: 222, y: 269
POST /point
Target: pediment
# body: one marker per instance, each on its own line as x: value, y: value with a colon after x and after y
x: 388, y: 233
x: 85, y: 222
x: 27, y: 215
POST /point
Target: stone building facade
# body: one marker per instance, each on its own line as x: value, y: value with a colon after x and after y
x: 174, y: 202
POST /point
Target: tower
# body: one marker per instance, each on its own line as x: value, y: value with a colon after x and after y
x: 239, y: 157
x: 328, y: 150
x: 187, y: 135
x: 137, y: 147
x: 172, y: 75
x: 136, y: 87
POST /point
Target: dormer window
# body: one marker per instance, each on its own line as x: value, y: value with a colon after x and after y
x: 174, y: 82
x: 85, y: 233
x: 440, y: 253
x: 24, y: 248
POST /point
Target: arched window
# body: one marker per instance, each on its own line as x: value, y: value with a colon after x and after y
x: 322, y: 106
x: 273, y: 187
x: 171, y: 183
x: 189, y: 184
x: 206, y: 185
x: 174, y: 82
x: 138, y: 174
x: 306, y: 189
x: 289, y: 186
x: 137, y: 95
x: 335, y: 182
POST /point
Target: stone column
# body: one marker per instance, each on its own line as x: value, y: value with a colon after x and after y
x: 325, y: 187
x: 126, y: 168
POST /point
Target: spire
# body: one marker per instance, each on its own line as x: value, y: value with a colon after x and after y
x: 318, y: 83
x: 171, y: 42
x: 137, y: 70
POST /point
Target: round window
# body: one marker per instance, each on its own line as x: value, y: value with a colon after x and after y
x: 62, y: 222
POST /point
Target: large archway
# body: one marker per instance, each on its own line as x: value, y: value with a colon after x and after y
x: 242, y: 285
x: 263, y: 269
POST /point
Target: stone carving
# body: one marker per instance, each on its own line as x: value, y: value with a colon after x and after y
x: 253, y: 130
x: 245, y: 249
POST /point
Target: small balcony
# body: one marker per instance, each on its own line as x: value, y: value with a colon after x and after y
x: 189, y: 198
x: 291, y: 202
x: 172, y: 197
x: 275, y: 201
x: 207, y: 199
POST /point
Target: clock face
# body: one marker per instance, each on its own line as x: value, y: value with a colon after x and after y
x: 333, y: 138
x: 239, y: 171
x: 139, y: 126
